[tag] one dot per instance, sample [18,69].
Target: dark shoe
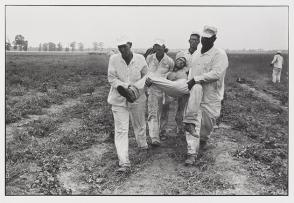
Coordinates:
[123,169]
[155,144]
[180,132]
[143,149]
[190,128]
[143,152]
[127,93]
[163,137]
[203,143]
[190,161]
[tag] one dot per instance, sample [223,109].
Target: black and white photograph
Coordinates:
[146,99]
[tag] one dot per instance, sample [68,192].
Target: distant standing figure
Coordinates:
[277,63]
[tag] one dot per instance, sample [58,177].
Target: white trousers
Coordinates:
[276,75]
[158,104]
[121,122]
[157,114]
[196,114]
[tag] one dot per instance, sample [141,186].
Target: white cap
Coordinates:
[159,41]
[122,40]
[195,33]
[279,52]
[209,31]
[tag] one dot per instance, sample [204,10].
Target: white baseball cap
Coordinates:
[279,52]
[159,41]
[124,39]
[209,31]
[195,33]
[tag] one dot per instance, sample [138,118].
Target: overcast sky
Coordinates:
[238,27]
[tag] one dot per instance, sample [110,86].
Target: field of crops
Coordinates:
[59,134]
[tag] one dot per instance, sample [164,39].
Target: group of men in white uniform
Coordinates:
[196,79]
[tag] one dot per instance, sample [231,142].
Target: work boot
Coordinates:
[143,153]
[143,150]
[155,144]
[163,135]
[190,161]
[190,128]
[123,169]
[180,131]
[127,93]
[203,143]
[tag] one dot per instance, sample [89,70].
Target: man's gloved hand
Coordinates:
[191,83]
[148,82]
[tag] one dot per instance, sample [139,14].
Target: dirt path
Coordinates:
[161,172]
[217,172]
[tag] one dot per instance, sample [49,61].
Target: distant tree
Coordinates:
[51,46]
[40,47]
[45,47]
[59,47]
[81,46]
[7,46]
[73,46]
[95,46]
[100,45]
[14,45]
[20,42]
[25,45]
[66,49]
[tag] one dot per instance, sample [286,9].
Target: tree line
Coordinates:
[20,44]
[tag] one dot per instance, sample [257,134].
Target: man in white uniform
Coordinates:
[124,69]
[182,101]
[277,63]
[159,64]
[206,84]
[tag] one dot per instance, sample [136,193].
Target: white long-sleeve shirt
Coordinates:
[278,61]
[209,68]
[121,74]
[159,69]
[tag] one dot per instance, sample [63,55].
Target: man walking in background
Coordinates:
[159,64]
[277,63]
[182,101]
[124,69]
[206,84]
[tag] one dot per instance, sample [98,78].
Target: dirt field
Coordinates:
[59,134]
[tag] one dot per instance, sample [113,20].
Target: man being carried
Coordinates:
[194,40]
